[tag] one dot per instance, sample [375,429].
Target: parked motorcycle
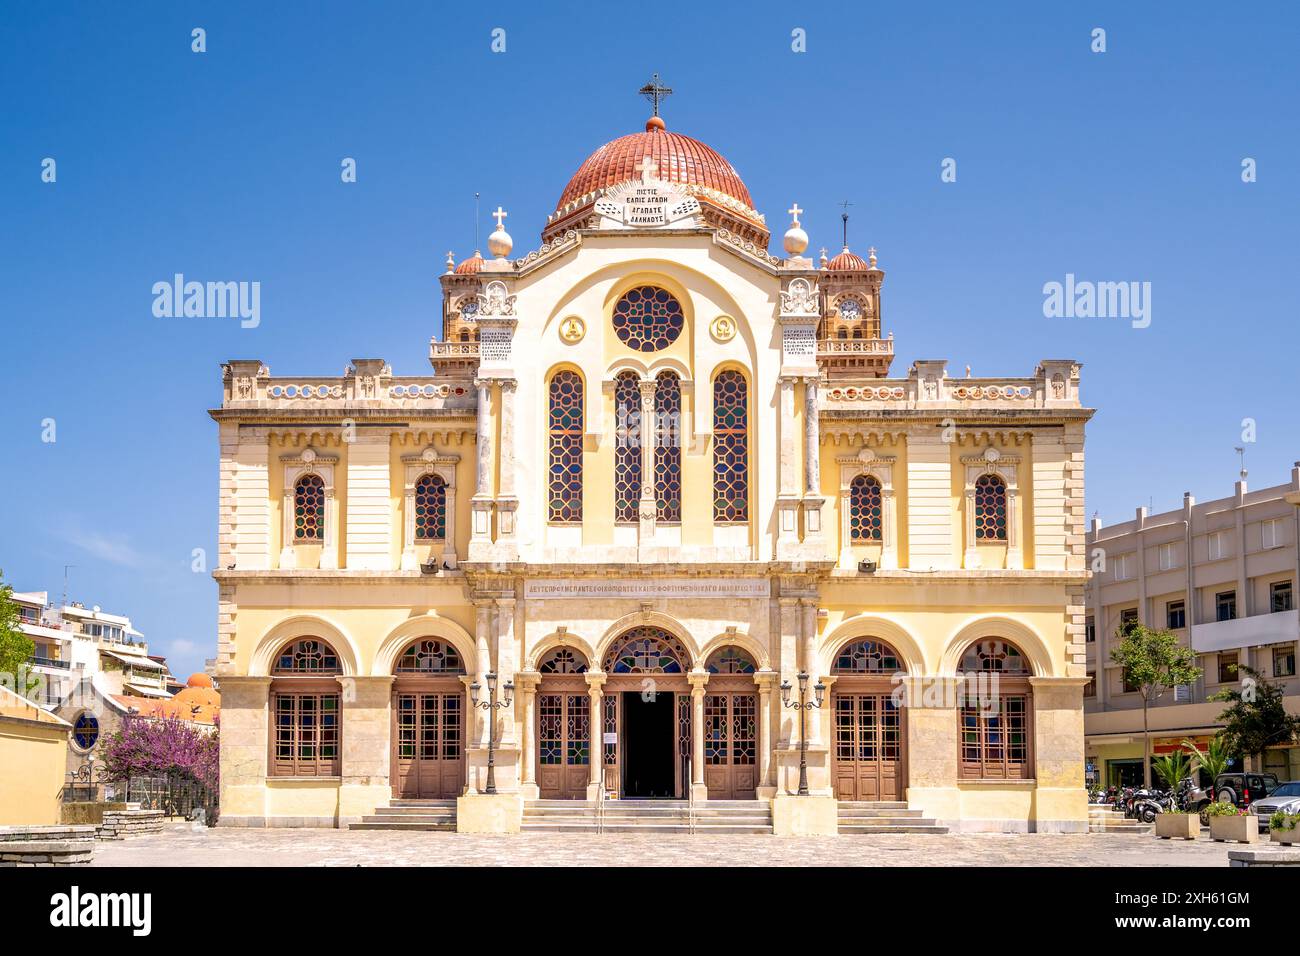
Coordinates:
[1193,798]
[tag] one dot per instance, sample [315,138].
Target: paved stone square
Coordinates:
[282,847]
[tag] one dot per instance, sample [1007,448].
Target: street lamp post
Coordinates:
[491,705]
[803,706]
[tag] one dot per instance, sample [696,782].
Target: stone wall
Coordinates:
[47,846]
[119,824]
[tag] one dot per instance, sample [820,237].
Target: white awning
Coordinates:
[146,691]
[135,660]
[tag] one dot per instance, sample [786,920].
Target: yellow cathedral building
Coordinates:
[658,532]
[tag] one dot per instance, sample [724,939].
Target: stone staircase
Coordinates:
[411,815]
[884,816]
[1106,820]
[648,816]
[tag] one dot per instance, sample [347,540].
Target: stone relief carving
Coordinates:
[800,298]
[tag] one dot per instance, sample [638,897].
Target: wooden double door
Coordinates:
[730,743]
[868,744]
[428,741]
[563,741]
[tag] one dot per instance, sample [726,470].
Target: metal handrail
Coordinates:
[600,804]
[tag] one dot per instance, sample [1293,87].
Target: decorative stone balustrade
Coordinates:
[248,384]
[1056,385]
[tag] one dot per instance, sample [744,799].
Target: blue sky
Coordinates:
[1118,166]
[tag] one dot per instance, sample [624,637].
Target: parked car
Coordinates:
[1243,788]
[1285,797]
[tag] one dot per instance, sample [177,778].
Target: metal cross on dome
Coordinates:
[654,92]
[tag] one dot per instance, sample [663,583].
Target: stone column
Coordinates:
[365,737]
[808,614]
[483,664]
[787,500]
[1015,554]
[595,683]
[812,439]
[698,683]
[481,506]
[526,686]
[648,509]
[505,669]
[507,501]
[765,681]
[245,747]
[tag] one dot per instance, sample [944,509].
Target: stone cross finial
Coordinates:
[499,215]
[794,211]
[649,168]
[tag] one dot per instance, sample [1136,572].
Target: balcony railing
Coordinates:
[38,661]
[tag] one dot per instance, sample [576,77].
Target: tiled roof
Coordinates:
[847,262]
[680,158]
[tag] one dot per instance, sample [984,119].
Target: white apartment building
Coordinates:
[74,642]
[1222,575]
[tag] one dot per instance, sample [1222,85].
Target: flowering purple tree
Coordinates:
[168,747]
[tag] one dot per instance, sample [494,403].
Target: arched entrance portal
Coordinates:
[731,726]
[869,752]
[563,726]
[428,721]
[646,716]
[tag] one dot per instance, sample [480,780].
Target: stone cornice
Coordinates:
[335,414]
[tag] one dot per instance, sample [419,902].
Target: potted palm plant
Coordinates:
[1172,768]
[1284,827]
[1214,760]
[1229,823]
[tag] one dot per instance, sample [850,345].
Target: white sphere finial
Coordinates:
[796,240]
[500,243]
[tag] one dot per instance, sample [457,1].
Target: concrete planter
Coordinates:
[1243,829]
[1178,826]
[1285,836]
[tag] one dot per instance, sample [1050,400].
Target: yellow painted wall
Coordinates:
[33,757]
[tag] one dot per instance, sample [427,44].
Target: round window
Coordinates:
[85,731]
[647,319]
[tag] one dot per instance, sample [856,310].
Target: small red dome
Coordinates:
[847,262]
[471,265]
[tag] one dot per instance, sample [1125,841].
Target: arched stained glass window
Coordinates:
[990,508]
[431,508]
[429,656]
[867,656]
[668,446]
[627,446]
[730,660]
[730,447]
[993,654]
[564,480]
[647,650]
[563,660]
[309,508]
[647,319]
[866,509]
[306,655]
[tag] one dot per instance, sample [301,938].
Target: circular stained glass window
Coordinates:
[85,732]
[647,319]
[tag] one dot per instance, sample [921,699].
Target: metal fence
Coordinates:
[176,795]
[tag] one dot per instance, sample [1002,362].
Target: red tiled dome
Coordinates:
[847,262]
[471,265]
[681,160]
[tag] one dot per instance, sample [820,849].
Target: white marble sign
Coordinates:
[648,202]
[547,589]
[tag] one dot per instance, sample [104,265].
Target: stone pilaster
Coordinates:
[1060,801]
[595,694]
[648,508]
[481,505]
[699,681]
[526,687]
[245,722]
[365,736]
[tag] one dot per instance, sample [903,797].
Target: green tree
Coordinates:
[1153,661]
[1173,767]
[15,646]
[1213,759]
[1256,718]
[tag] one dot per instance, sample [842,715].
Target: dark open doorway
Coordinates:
[648,746]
